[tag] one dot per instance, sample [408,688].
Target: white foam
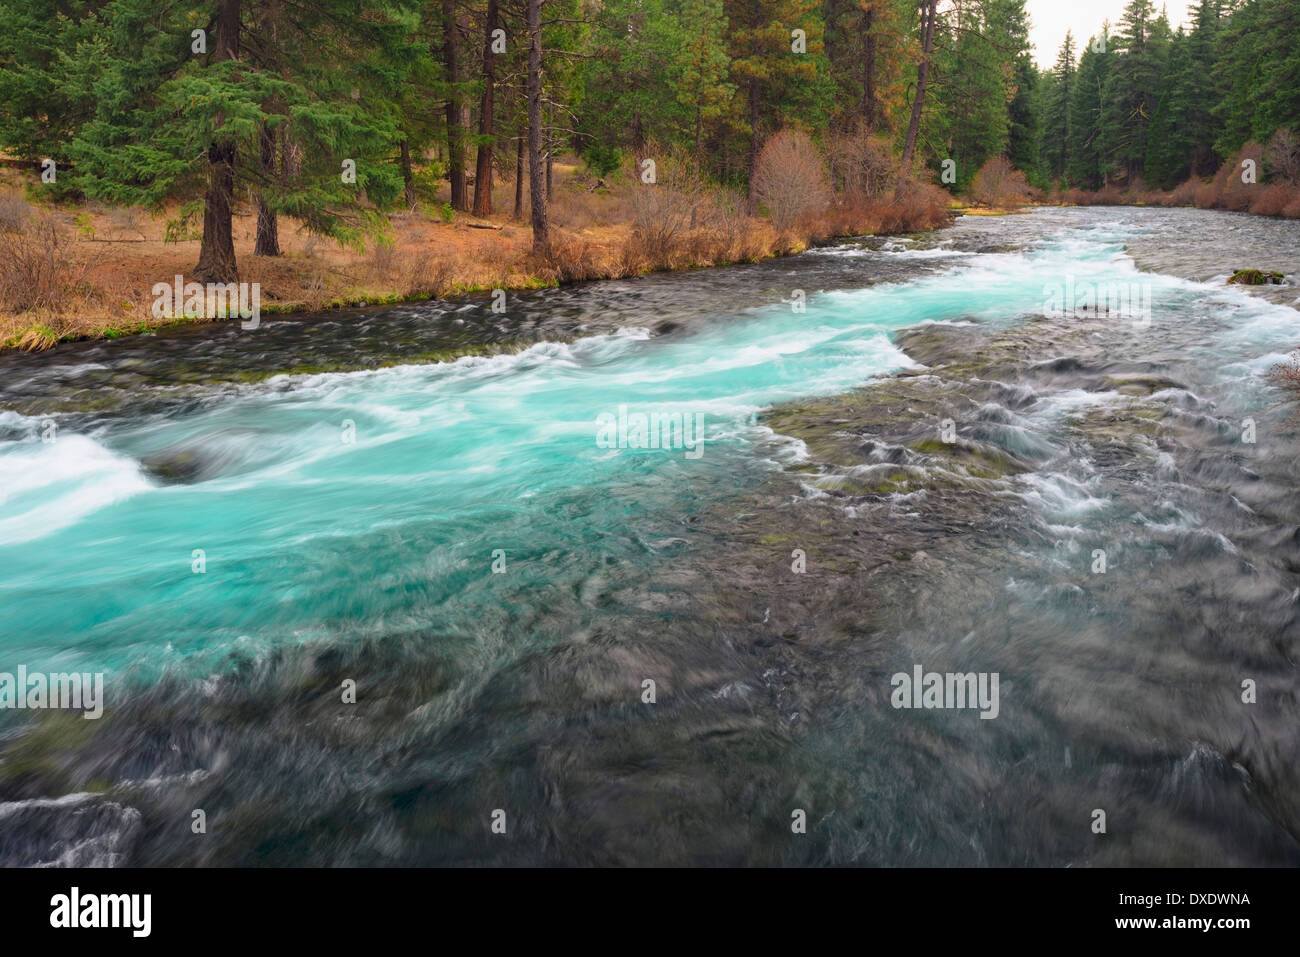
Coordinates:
[51,486]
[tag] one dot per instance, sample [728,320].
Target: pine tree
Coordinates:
[1141,46]
[1085,166]
[700,68]
[772,79]
[180,114]
[1058,93]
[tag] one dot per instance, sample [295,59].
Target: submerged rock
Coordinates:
[178,467]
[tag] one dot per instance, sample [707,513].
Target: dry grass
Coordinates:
[57,282]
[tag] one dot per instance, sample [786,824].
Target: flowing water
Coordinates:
[907,460]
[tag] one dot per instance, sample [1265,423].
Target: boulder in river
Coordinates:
[1255,277]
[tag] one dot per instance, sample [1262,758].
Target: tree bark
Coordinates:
[929,11]
[550,154]
[408,176]
[455,131]
[486,119]
[536,182]
[519,179]
[217,250]
[268,224]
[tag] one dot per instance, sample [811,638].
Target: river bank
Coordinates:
[85,272]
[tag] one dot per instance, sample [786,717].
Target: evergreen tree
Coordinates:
[1058,92]
[1087,145]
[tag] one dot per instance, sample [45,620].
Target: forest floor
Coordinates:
[88,270]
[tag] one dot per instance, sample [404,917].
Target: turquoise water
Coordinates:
[307,536]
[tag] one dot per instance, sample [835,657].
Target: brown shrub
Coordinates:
[1274,199]
[1185,194]
[862,163]
[571,259]
[725,232]
[14,210]
[425,275]
[1000,184]
[38,270]
[661,215]
[1229,192]
[916,206]
[913,207]
[382,264]
[1108,195]
[1287,377]
[790,179]
[576,208]
[1282,157]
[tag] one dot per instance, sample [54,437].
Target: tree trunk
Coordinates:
[408,177]
[455,131]
[217,251]
[929,11]
[483,167]
[550,157]
[519,179]
[268,225]
[638,144]
[536,185]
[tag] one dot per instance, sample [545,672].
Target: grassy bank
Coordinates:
[81,271]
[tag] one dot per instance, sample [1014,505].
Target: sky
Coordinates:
[1051,18]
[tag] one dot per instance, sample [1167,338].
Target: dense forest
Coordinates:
[332,113]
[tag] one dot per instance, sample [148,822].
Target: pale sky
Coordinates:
[1049,19]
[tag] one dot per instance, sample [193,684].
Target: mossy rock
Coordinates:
[986,462]
[1256,277]
[1139,384]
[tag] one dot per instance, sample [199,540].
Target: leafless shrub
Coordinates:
[125,220]
[37,268]
[660,217]
[1184,194]
[1274,199]
[1286,376]
[425,275]
[383,261]
[862,164]
[998,183]
[14,211]
[790,179]
[1282,157]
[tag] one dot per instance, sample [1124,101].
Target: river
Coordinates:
[622,655]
